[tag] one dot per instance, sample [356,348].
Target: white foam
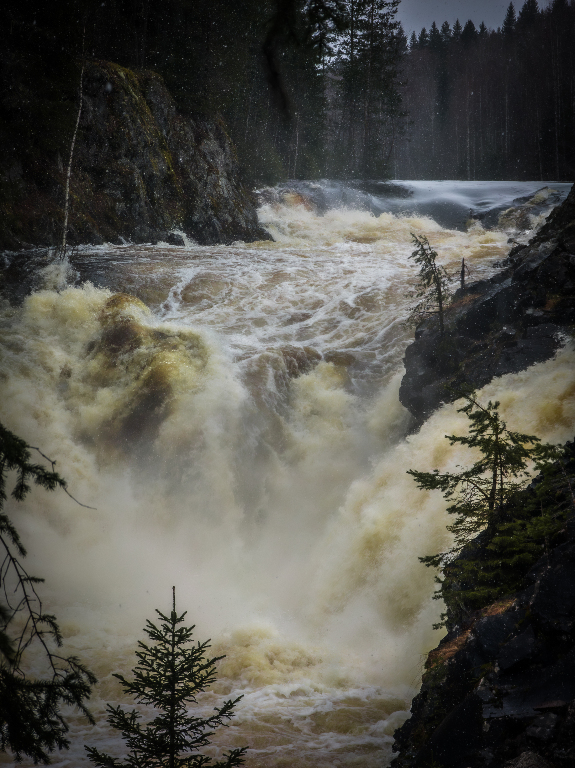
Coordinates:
[278,505]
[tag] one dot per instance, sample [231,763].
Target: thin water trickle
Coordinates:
[232,414]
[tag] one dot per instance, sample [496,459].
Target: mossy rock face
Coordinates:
[140,169]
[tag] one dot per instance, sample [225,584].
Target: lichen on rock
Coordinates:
[140,170]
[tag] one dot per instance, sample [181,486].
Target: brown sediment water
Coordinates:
[232,414]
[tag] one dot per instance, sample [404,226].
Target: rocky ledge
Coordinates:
[499,690]
[501,325]
[140,171]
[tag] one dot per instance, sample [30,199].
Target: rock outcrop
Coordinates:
[140,171]
[499,690]
[501,325]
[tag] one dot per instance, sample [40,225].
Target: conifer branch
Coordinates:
[35,725]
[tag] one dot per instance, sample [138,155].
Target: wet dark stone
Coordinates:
[517,663]
[174,239]
[492,631]
[553,605]
[140,170]
[528,760]
[457,738]
[542,727]
[502,325]
[521,648]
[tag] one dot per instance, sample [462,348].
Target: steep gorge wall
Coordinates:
[499,690]
[140,170]
[515,319]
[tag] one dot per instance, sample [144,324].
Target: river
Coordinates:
[232,414]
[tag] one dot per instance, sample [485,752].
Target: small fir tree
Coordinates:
[484,497]
[478,495]
[31,719]
[168,676]
[433,289]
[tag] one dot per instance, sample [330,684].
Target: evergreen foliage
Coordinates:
[433,288]
[509,21]
[310,88]
[494,564]
[507,111]
[435,39]
[423,39]
[31,721]
[478,495]
[515,521]
[168,676]
[528,13]
[366,109]
[469,33]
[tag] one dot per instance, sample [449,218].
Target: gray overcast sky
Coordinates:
[415,14]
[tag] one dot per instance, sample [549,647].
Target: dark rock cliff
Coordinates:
[501,325]
[499,690]
[140,170]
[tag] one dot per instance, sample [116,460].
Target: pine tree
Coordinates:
[528,14]
[435,40]
[368,62]
[423,39]
[433,289]
[31,720]
[493,565]
[469,33]
[479,494]
[168,676]
[509,21]
[457,30]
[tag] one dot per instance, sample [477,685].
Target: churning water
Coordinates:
[232,415]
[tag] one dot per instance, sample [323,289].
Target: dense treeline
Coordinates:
[311,88]
[262,65]
[492,104]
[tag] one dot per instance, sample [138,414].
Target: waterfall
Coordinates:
[231,412]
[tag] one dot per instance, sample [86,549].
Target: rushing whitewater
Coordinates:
[231,413]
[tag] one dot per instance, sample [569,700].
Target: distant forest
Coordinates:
[313,88]
[492,105]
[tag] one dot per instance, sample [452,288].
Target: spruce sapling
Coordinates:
[168,676]
[482,497]
[479,493]
[433,289]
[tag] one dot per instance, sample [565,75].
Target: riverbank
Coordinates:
[141,172]
[518,317]
[498,689]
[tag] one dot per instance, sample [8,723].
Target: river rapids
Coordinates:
[232,414]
